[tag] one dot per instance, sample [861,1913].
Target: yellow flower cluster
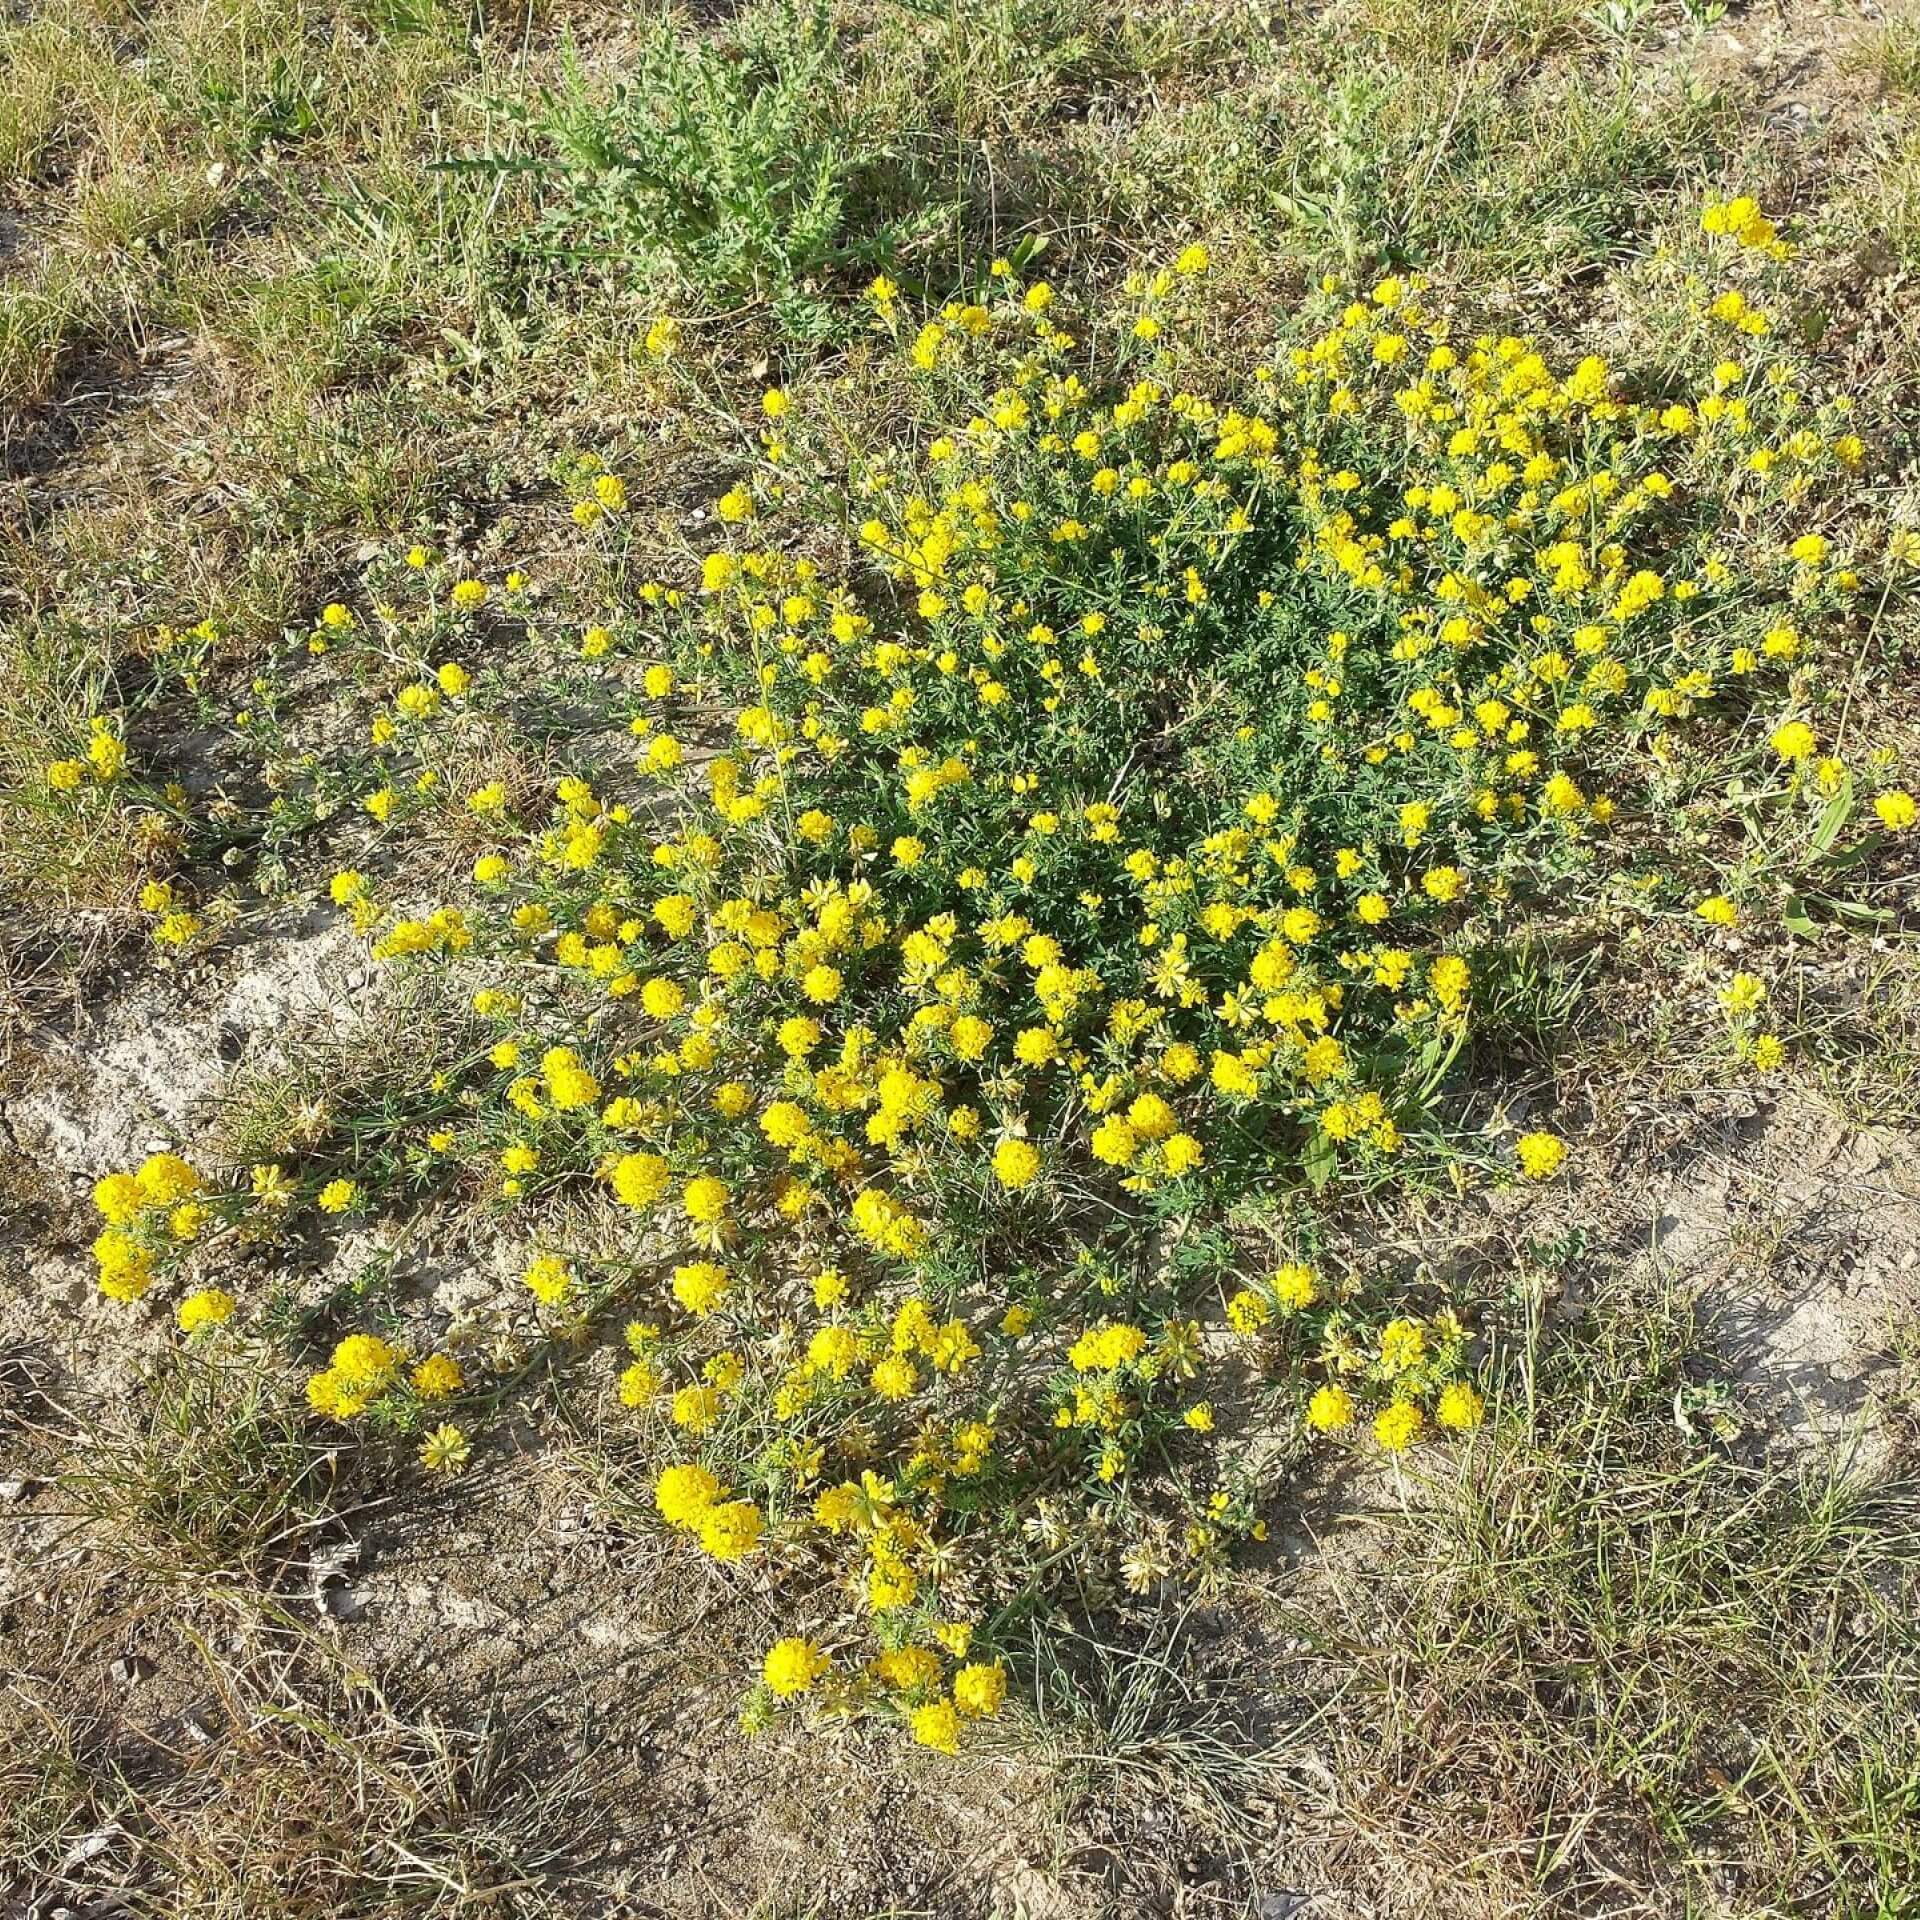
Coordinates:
[103,762]
[143,1211]
[1129,826]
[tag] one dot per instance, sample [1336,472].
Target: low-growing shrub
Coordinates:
[1059,862]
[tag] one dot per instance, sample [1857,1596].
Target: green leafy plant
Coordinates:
[715,164]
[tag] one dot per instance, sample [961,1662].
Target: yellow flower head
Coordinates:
[792,1666]
[1016,1164]
[207,1307]
[1398,1426]
[1541,1154]
[684,1494]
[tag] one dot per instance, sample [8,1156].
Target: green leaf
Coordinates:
[1859,911]
[1319,1162]
[1796,919]
[1833,817]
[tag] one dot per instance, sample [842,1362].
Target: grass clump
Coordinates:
[215,1479]
[304,1793]
[1656,1662]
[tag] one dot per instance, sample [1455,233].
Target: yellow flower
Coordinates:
[792,1666]
[697,1408]
[1183,1154]
[639,1383]
[119,1198]
[1398,1426]
[1541,1154]
[1295,1286]
[895,1377]
[445,1450]
[1016,1164]
[980,1689]
[1897,809]
[1115,1141]
[684,1494]
[833,1351]
[270,1185]
[699,1286]
[207,1307]
[106,753]
[366,1361]
[1402,1344]
[549,1279]
[1330,1410]
[1460,1408]
[1101,1349]
[438,1377]
[641,1180]
[1248,1312]
[937,1725]
[730,1531]
[907,1669]
[662,999]
[1793,740]
[126,1267]
[706,1199]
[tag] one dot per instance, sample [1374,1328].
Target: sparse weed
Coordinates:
[1118,1721]
[1655,1662]
[719,170]
[302,1794]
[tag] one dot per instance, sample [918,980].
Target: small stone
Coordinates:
[1282,1904]
[328,1573]
[130,1669]
[340,1602]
